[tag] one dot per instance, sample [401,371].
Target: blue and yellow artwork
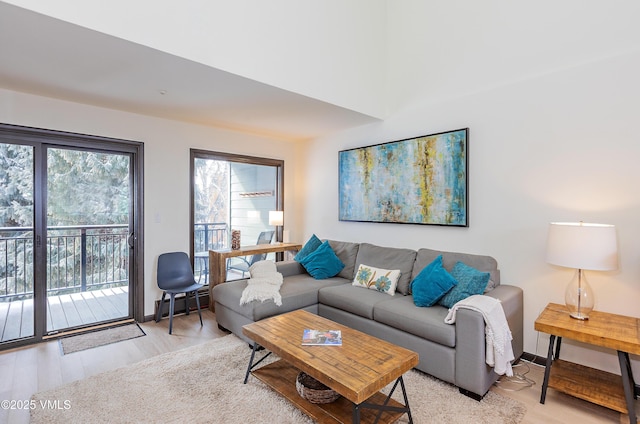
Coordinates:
[421,180]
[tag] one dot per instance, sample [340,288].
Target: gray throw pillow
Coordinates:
[389,258]
[347,252]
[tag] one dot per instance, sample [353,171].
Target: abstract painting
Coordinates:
[420,180]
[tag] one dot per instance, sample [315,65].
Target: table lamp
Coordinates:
[584,247]
[276,218]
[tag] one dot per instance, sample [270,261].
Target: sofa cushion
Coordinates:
[297,291]
[382,280]
[431,284]
[322,263]
[428,323]
[347,252]
[470,282]
[351,299]
[309,247]
[449,259]
[389,258]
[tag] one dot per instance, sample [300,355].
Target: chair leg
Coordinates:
[186,303]
[172,302]
[195,293]
[159,313]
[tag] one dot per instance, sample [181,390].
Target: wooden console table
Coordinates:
[218,260]
[612,331]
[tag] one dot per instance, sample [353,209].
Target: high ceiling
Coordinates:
[48,57]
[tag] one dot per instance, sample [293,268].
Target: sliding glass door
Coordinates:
[16,241]
[69,214]
[88,203]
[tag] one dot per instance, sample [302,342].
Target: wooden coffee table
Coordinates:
[357,370]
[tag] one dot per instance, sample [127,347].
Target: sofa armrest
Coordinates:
[287,268]
[472,373]
[512,303]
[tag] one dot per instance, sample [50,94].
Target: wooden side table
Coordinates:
[218,260]
[612,331]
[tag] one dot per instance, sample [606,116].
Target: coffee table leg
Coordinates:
[385,406]
[406,400]
[251,366]
[356,414]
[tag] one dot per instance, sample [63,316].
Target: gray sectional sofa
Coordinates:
[453,353]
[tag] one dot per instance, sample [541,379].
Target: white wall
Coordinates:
[328,50]
[166,162]
[563,146]
[439,49]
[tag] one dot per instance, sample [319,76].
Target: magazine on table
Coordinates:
[312,337]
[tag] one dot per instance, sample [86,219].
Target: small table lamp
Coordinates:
[276,218]
[582,246]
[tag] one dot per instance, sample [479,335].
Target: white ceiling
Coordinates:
[48,57]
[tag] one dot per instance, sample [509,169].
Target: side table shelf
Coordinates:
[589,384]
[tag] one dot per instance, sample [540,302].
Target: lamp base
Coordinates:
[579,315]
[579,297]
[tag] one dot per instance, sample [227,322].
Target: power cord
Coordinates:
[518,381]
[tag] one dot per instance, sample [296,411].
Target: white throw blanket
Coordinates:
[264,283]
[497,333]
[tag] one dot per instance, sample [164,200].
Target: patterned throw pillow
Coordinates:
[382,280]
[470,281]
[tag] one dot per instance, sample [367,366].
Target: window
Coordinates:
[231,192]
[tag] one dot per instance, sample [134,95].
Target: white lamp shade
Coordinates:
[582,246]
[276,218]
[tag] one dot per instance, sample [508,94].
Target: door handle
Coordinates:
[131,240]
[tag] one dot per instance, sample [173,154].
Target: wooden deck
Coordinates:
[70,310]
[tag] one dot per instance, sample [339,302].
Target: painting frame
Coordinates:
[420,180]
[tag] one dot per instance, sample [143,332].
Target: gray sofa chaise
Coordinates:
[453,353]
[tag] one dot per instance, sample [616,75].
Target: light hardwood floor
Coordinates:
[27,370]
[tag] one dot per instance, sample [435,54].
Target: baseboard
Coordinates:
[180,307]
[534,359]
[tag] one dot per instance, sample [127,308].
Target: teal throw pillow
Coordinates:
[322,263]
[470,282]
[310,246]
[431,284]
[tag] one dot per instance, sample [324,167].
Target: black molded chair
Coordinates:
[243,264]
[175,276]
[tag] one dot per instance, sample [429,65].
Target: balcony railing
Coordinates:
[210,236]
[81,258]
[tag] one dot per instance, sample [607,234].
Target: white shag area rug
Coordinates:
[203,384]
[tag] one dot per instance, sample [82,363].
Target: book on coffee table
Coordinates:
[312,337]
